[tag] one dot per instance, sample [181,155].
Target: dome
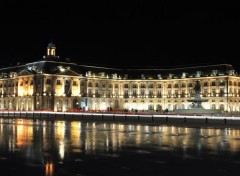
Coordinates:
[51,45]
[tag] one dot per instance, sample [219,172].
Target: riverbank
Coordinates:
[196,119]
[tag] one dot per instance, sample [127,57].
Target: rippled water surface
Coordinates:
[54,148]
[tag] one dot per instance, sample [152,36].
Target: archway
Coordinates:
[22,105]
[103,105]
[29,104]
[75,104]
[159,107]
[59,105]
[9,104]
[13,102]
[116,104]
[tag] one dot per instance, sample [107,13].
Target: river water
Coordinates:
[59,148]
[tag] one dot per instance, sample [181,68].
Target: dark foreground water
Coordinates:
[57,148]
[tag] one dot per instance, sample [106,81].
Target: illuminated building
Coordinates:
[52,84]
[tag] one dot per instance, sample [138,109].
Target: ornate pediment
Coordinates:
[66,71]
[24,73]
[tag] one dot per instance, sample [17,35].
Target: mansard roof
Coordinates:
[74,69]
[54,67]
[177,72]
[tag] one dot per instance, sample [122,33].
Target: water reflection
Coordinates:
[49,168]
[49,144]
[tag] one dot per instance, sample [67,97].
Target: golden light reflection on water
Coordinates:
[91,137]
[49,168]
[60,137]
[24,133]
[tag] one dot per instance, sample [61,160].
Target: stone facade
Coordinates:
[55,85]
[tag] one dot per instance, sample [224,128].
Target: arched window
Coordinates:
[75,104]
[135,86]
[89,84]
[222,107]
[213,83]
[150,86]
[143,86]
[222,83]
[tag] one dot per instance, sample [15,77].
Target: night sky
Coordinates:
[122,33]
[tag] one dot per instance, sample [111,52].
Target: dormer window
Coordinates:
[184,74]
[198,73]
[89,73]
[114,76]
[4,75]
[143,76]
[231,72]
[102,74]
[13,74]
[170,75]
[61,68]
[214,72]
[159,76]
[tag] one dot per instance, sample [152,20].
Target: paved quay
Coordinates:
[167,118]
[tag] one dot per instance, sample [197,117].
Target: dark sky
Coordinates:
[125,33]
